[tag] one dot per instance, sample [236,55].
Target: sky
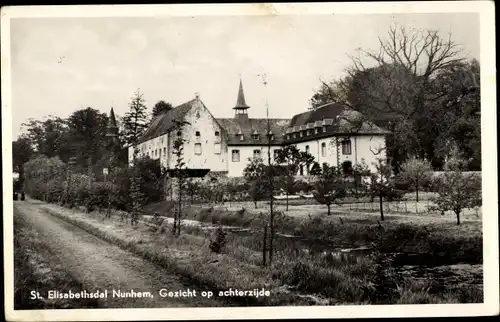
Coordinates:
[59,65]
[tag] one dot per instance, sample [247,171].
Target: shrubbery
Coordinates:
[50,180]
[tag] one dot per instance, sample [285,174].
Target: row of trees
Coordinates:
[420,86]
[83,137]
[456,191]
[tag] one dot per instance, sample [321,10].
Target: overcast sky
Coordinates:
[62,64]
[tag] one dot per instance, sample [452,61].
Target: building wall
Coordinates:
[360,150]
[366,144]
[156,148]
[235,169]
[203,122]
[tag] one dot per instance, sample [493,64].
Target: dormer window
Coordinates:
[324,128]
[316,131]
[301,133]
[255,135]
[308,132]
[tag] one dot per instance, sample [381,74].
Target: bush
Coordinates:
[219,242]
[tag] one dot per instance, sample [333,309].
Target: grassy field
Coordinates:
[300,274]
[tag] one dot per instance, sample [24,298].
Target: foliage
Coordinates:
[293,159]
[456,191]
[417,172]
[22,151]
[219,242]
[418,86]
[135,120]
[330,186]
[255,174]
[381,184]
[161,107]
[48,137]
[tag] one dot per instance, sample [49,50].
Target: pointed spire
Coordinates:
[112,128]
[240,102]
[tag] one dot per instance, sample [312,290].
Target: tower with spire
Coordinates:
[241,107]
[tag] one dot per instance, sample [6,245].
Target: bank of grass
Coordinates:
[326,279]
[36,269]
[443,241]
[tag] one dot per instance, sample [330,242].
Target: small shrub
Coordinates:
[220,241]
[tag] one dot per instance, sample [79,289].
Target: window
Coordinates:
[235,155]
[307,148]
[217,133]
[346,147]
[197,148]
[323,149]
[301,134]
[164,151]
[256,136]
[324,128]
[316,131]
[217,149]
[156,153]
[179,133]
[197,134]
[256,154]
[242,137]
[308,132]
[295,135]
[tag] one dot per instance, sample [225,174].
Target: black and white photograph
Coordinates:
[295,160]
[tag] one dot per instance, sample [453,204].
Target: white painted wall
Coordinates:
[156,148]
[235,169]
[202,121]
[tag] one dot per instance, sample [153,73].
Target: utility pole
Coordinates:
[270,175]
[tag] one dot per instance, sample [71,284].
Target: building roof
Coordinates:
[331,119]
[163,123]
[235,127]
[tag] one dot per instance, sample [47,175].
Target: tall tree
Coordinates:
[87,136]
[135,120]
[161,107]
[22,151]
[402,87]
[48,136]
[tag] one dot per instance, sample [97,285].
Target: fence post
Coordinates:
[264,245]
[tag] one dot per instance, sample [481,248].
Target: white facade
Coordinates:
[206,146]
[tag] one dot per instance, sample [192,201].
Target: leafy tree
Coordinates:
[417,172]
[161,107]
[136,195]
[22,151]
[418,86]
[192,188]
[293,159]
[255,174]
[87,136]
[48,137]
[457,191]
[330,186]
[135,120]
[381,184]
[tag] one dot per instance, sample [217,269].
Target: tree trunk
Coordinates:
[264,245]
[381,207]
[255,203]
[328,206]
[416,188]
[458,217]
[287,201]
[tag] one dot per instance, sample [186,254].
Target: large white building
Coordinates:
[332,133]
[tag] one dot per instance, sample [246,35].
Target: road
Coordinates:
[99,265]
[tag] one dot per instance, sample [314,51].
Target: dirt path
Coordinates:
[101,266]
